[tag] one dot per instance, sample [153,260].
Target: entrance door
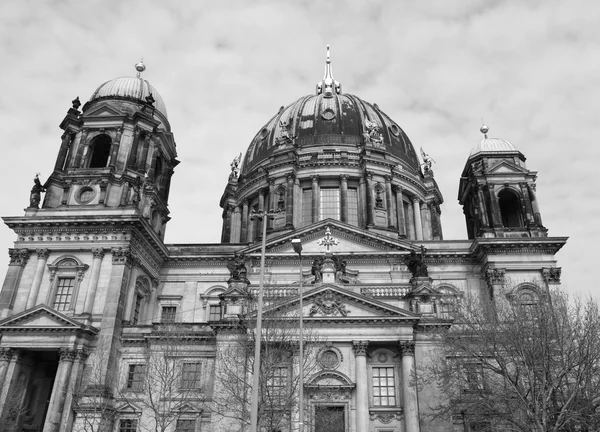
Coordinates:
[330,419]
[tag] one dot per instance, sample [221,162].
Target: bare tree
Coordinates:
[279,370]
[529,362]
[168,382]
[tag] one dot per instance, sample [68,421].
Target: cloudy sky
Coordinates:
[530,70]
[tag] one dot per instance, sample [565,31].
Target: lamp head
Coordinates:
[297,245]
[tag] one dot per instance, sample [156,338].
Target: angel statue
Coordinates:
[36,192]
[427,161]
[372,134]
[235,167]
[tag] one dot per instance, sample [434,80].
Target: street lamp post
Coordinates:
[263,216]
[297,244]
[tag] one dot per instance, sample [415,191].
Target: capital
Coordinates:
[271,181]
[344,178]
[42,254]
[290,176]
[315,179]
[18,256]
[121,256]
[495,276]
[360,347]
[6,354]
[407,348]
[551,274]
[388,179]
[416,200]
[67,354]
[397,188]
[98,253]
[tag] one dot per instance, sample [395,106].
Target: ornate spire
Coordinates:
[328,86]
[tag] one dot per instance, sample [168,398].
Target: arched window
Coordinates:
[510,209]
[100,151]
[158,168]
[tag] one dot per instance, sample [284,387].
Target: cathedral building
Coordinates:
[93,292]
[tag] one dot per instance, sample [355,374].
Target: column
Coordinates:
[400,212]
[391,216]
[67,417]
[131,291]
[272,203]
[81,149]
[152,168]
[12,359]
[65,144]
[426,221]
[315,199]
[418,223]
[226,231]
[90,296]
[18,260]
[496,215]
[289,204]
[484,220]
[528,214]
[141,163]
[495,279]
[362,203]
[370,200]
[114,148]
[537,216]
[409,387]
[244,231]
[362,385]
[42,258]
[109,341]
[59,390]
[6,355]
[131,158]
[235,225]
[344,198]
[436,223]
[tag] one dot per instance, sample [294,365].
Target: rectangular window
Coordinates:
[277,385]
[136,309]
[190,376]
[353,207]
[384,388]
[473,377]
[330,204]
[64,293]
[135,376]
[306,207]
[168,315]
[127,425]
[214,312]
[185,426]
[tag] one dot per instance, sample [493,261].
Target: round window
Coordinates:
[328,114]
[85,195]
[395,130]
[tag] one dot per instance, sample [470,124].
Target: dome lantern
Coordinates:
[328,85]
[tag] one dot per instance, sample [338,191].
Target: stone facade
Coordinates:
[92,292]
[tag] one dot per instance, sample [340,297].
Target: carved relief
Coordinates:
[18,256]
[328,304]
[551,274]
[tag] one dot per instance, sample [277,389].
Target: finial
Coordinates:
[76,103]
[140,67]
[328,86]
[484,130]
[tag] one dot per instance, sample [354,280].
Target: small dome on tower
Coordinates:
[493,145]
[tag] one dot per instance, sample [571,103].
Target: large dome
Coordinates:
[331,121]
[135,88]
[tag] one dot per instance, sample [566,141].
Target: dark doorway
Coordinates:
[510,209]
[100,151]
[330,419]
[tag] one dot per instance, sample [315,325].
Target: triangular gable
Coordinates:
[506,167]
[128,408]
[331,301]
[42,317]
[350,238]
[103,110]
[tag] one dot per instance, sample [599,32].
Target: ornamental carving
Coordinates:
[285,134]
[328,304]
[121,256]
[551,274]
[495,276]
[372,134]
[68,354]
[42,254]
[407,348]
[98,253]
[329,358]
[385,418]
[329,395]
[360,347]
[6,354]
[18,256]
[237,268]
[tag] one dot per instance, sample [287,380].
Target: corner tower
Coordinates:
[497,192]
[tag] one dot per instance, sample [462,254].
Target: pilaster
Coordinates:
[18,260]
[409,387]
[362,383]
[42,258]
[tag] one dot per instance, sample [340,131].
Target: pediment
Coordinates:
[350,239]
[128,407]
[334,302]
[103,110]
[505,167]
[42,317]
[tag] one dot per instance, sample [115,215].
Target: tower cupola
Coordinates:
[497,192]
